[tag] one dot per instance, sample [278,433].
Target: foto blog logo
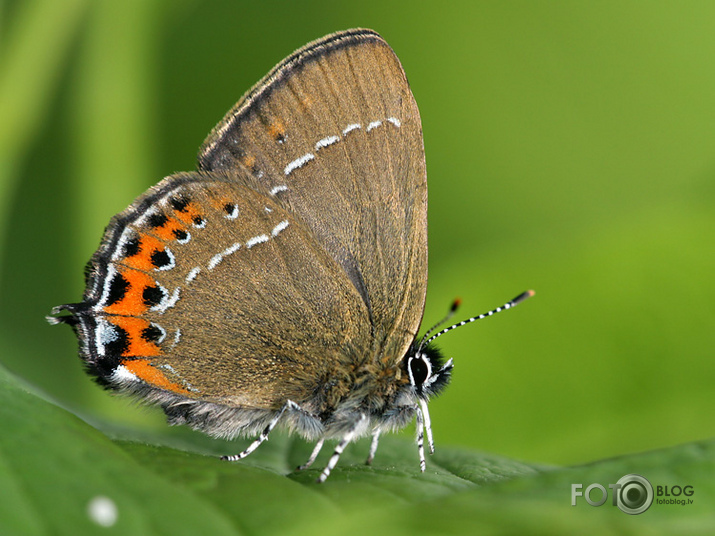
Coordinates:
[632,494]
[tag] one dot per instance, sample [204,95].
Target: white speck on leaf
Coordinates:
[103,511]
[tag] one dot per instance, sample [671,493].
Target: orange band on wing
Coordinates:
[138,344]
[166,231]
[142,259]
[189,213]
[133,301]
[144,370]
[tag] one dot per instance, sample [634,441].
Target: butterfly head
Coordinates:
[427,370]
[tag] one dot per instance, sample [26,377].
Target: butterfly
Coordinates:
[284,281]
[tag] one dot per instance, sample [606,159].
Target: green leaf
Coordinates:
[52,464]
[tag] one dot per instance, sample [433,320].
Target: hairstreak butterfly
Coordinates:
[284,281]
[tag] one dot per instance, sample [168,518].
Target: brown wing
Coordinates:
[334,134]
[211,290]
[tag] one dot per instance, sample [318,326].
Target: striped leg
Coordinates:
[373,447]
[313,456]
[420,425]
[428,425]
[347,438]
[289,405]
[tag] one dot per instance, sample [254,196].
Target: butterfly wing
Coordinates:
[292,264]
[212,291]
[334,135]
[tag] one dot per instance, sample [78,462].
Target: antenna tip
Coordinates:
[523,296]
[455,304]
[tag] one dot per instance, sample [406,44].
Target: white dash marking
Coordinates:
[374,124]
[257,240]
[268,210]
[395,121]
[350,128]
[215,260]
[326,141]
[168,302]
[177,337]
[232,249]
[276,189]
[162,330]
[192,274]
[298,162]
[174,298]
[278,228]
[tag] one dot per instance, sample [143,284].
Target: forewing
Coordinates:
[334,135]
[219,294]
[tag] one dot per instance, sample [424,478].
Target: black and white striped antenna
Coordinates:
[426,339]
[453,309]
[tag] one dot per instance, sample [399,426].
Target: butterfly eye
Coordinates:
[420,369]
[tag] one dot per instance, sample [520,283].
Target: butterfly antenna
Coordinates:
[453,309]
[508,305]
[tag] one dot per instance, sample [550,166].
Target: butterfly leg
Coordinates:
[373,447]
[420,425]
[428,425]
[313,456]
[289,405]
[347,438]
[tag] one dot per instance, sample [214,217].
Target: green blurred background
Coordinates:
[570,149]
